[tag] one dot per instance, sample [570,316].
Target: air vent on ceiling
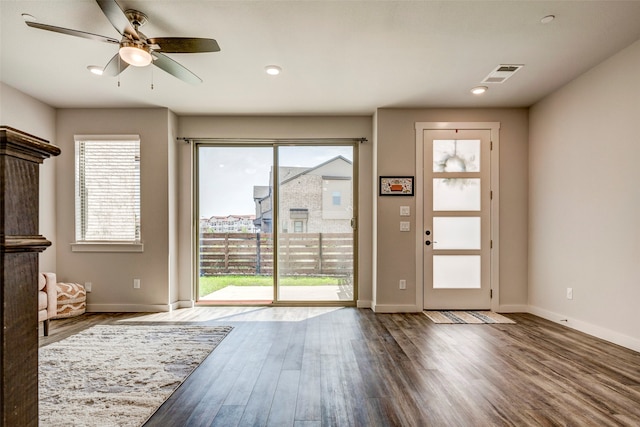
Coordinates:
[501,73]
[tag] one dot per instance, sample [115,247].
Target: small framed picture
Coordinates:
[396,186]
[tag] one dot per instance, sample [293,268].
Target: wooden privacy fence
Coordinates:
[299,254]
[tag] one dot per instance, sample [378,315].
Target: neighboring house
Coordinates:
[264,213]
[228,224]
[318,199]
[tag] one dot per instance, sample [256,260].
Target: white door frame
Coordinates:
[494,128]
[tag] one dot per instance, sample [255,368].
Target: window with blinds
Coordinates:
[108,189]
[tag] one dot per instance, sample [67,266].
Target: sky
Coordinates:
[227,175]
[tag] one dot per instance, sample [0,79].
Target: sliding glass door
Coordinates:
[315,212]
[290,242]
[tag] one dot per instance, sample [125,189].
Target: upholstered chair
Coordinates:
[47,299]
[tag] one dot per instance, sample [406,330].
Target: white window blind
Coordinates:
[108,189]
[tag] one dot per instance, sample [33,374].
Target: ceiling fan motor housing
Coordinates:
[137,18]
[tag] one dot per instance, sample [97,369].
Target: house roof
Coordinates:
[306,171]
[286,173]
[261,191]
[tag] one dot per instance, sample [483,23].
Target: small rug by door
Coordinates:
[444,316]
[118,375]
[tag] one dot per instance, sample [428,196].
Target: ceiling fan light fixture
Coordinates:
[479,90]
[135,55]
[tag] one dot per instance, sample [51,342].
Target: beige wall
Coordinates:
[27,114]
[112,274]
[173,167]
[396,251]
[294,127]
[584,229]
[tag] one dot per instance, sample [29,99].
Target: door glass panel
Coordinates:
[235,233]
[456,155]
[456,232]
[315,208]
[456,194]
[456,271]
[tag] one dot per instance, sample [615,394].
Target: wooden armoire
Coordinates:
[20,244]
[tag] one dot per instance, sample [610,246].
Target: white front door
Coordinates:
[457,219]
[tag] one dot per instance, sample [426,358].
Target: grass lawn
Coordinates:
[209,284]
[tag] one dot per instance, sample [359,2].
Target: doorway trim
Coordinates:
[494,128]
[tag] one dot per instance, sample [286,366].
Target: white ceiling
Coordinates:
[338,57]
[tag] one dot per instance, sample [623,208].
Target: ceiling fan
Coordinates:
[135,48]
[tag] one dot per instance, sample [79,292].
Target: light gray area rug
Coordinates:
[118,375]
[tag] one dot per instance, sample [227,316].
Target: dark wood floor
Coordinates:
[352,367]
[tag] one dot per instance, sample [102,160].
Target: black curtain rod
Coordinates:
[274,140]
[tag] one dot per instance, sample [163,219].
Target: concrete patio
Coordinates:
[287,293]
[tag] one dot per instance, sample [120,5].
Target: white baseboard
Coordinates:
[128,308]
[363,303]
[183,304]
[395,308]
[513,308]
[588,328]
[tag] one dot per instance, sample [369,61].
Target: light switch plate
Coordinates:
[405,211]
[405,226]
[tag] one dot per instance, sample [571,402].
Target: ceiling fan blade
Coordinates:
[172,67]
[115,66]
[71,32]
[184,45]
[118,19]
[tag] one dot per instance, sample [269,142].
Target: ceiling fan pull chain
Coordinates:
[119,69]
[151,78]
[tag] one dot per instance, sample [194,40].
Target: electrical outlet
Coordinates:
[136,283]
[405,211]
[569,293]
[87,286]
[405,226]
[403,284]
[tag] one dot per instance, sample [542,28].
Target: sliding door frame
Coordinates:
[275,144]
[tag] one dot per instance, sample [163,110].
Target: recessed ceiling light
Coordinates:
[547,19]
[29,18]
[479,90]
[273,70]
[96,70]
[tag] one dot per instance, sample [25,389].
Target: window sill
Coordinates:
[106,247]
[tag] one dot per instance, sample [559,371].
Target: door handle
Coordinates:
[428,242]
